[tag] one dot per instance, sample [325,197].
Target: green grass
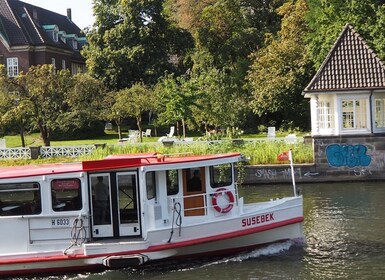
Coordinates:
[33,139]
[259,152]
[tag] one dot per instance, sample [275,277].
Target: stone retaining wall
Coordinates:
[336,159]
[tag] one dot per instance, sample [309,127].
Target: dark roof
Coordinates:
[22,24]
[350,65]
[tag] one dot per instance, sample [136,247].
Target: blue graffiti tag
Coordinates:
[347,155]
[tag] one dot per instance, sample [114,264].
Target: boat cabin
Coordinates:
[118,197]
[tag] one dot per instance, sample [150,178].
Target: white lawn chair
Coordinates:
[172,130]
[147,133]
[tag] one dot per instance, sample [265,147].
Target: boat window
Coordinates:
[150,185]
[66,195]
[20,199]
[194,180]
[172,182]
[221,175]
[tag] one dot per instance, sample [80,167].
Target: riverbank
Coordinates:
[306,173]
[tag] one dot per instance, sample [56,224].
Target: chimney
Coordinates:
[69,14]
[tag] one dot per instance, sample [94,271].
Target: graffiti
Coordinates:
[266,173]
[273,174]
[362,172]
[347,155]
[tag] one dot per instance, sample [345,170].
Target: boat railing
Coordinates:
[202,203]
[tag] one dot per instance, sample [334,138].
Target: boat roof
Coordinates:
[108,163]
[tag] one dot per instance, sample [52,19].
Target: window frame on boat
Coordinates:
[26,199]
[150,185]
[65,203]
[216,175]
[172,183]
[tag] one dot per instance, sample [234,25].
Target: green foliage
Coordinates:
[282,69]
[131,42]
[327,19]
[175,100]
[140,99]
[43,91]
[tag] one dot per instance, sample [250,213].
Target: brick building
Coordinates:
[31,35]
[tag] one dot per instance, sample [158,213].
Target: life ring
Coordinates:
[222,191]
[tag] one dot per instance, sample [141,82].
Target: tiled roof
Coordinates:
[350,65]
[22,24]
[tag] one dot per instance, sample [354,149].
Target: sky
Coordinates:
[81,9]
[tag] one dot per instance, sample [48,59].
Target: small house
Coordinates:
[347,99]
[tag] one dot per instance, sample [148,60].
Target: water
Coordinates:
[345,239]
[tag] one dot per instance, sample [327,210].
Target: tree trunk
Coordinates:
[118,124]
[184,129]
[44,134]
[22,138]
[139,124]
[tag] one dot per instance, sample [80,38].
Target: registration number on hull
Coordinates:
[60,222]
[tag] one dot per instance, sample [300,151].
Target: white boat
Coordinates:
[127,210]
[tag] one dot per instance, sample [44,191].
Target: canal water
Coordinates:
[345,239]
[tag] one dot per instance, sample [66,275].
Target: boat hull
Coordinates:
[234,243]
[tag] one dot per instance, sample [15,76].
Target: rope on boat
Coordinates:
[178,221]
[78,233]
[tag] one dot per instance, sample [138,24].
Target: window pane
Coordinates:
[20,199]
[379,113]
[12,66]
[66,195]
[354,114]
[325,115]
[150,185]
[172,182]
[194,180]
[221,175]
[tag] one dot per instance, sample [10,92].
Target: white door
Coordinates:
[101,205]
[128,208]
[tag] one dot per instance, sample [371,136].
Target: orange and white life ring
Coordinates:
[231,199]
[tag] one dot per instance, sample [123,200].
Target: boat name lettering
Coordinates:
[259,219]
[60,222]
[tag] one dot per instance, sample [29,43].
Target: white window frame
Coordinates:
[325,113]
[357,111]
[12,66]
[55,34]
[63,64]
[378,109]
[53,62]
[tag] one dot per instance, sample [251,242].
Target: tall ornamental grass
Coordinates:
[259,152]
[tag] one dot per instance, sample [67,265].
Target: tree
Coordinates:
[14,112]
[138,99]
[85,103]
[282,69]
[175,101]
[132,41]
[38,97]
[114,109]
[219,102]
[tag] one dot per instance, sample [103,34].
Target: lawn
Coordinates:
[33,140]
